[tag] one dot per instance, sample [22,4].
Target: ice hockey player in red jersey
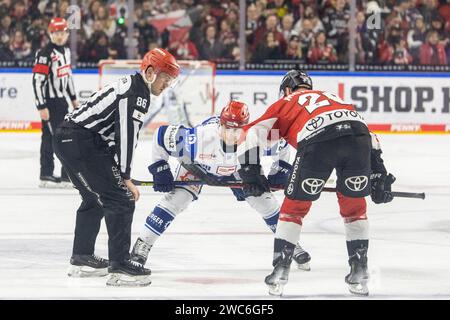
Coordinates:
[328,134]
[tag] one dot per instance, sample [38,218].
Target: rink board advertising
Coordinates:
[394,103]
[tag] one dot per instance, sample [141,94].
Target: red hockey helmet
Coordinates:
[235,115]
[162,61]
[57,24]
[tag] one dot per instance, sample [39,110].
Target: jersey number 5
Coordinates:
[310,103]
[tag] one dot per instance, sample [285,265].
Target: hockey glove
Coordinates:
[279,173]
[162,176]
[380,180]
[381,187]
[254,183]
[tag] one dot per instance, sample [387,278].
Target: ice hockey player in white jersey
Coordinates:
[212,148]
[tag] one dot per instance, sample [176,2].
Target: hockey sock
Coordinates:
[156,223]
[289,231]
[354,245]
[357,235]
[272,221]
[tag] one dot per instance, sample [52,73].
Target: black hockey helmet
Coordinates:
[295,79]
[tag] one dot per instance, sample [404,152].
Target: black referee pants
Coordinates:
[57,109]
[93,171]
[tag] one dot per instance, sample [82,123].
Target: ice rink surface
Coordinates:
[220,248]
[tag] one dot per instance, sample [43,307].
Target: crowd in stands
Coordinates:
[387,31]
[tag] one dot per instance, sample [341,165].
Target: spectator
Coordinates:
[211,49]
[117,42]
[5,23]
[183,48]
[335,20]
[269,49]
[360,41]
[437,24]
[322,52]
[287,27]
[428,9]
[412,13]
[232,18]
[416,38]
[311,15]
[278,7]
[253,22]
[37,34]
[98,47]
[271,25]
[62,10]
[5,7]
[294,50]
[227,37]
[400,12]
[109,25]
[147,32]
[19,16]
[401,54]
[432,52]
[20,48]
[306,36]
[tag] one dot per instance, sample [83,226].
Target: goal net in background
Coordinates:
[188,103]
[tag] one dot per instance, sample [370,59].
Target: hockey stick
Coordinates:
[238,184]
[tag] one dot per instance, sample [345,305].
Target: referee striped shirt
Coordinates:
[52,75]
[116,113]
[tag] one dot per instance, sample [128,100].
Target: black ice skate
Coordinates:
[49,182]
[301,258]
[87,265]
[358,277]
[280,274]
[140,251]
[128,274]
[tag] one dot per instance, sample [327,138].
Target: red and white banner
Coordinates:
[388,104]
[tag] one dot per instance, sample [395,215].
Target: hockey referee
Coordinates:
[96,143]
[52,81]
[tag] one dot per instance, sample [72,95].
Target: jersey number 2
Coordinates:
[309,100]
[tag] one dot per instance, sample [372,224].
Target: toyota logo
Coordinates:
[314,124]
[356,183]
[312,186]
[290,188]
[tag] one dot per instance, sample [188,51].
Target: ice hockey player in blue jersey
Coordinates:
[212,146]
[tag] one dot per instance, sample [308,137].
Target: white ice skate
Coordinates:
[301,258]
[140,251]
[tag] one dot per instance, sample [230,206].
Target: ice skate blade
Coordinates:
[122,280]
[303,266]
[276,289]
[65,185]
[359,289]
[86,272]
[49,185]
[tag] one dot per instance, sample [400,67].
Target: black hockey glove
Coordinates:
[381,187]
[380,180]
[162,176]
[254,183]
[279,173]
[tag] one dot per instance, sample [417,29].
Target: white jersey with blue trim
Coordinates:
[202,145]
